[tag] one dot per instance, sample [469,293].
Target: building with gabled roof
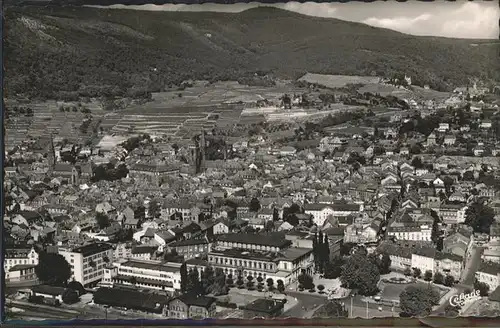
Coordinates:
[189,306]
[489,273]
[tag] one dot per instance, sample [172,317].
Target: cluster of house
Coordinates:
[205,209]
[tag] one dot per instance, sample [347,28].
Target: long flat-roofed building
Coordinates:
[273,242]
[143,273]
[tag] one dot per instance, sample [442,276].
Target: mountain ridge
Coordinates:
[107,47]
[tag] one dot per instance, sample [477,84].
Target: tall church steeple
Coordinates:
[51,153]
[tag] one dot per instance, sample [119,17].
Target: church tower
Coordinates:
[202,149]
[51,156]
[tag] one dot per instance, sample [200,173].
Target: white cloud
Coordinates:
[310,8]
[472,20]
[469,20]
[403,24]
[450,19]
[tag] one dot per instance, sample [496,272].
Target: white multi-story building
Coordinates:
[17,256]
[452,214]
[320,212]
[428,259]
[489,273]
[422,261]
[87,262]
[410,231]
[256,255]
[400,256]
[286,265]
[146,274]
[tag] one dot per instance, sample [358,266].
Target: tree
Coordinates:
[250,281]
[270,283]
[281,286]
[451,311]
[407,272]
[124,235]
[428,275]
[449,281]
[438,278]
[324,249]
[154,209]
[229,280]
[102,220]
[218,284]
[361,274]
[193,283]
[382,261]
[417,273]
[254,205]
[276,216]
[76,286]
[468,176]
[240,281]
[321,288]
[269,226]
[385,265]
[416,301]
[436,231]
[448,183]
[333,268]
[482,287]
[53,269]
[184,277]
[305,280]
[259,282]
[480,217]
[70,296]
[206,279]
[316,252]
[140,213]
[331,309]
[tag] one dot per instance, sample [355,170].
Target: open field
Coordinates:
[203,95]
[413,92]
[338,81]
[384,90]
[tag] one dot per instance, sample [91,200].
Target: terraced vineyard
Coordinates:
[179,122]
[49,119]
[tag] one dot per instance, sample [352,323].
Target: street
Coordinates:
[308,303]
[471,266]
[467,280]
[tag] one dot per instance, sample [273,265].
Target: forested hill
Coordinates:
[89,51]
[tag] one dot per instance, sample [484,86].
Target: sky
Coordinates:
[460,19]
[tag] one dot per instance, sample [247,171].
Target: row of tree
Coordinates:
[210,281]
[321,251]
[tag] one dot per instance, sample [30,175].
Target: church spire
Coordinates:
[51,153]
